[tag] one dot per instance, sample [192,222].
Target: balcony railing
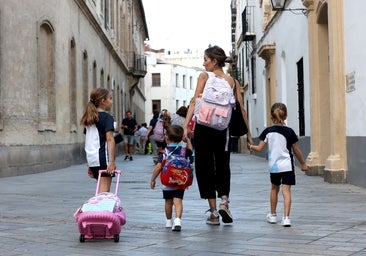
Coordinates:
[137,64]
[247,17]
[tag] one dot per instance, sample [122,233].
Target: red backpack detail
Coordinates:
[177,171]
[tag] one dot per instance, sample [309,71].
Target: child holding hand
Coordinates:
[282,144]
[172,196]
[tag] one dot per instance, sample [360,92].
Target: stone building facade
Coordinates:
[52,54]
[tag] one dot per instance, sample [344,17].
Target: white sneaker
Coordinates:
[271,218]
[213,218]
[177,225]
[286,222]
[168,223]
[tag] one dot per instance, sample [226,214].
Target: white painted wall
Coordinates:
[355,55]
[171,93]
[290,48]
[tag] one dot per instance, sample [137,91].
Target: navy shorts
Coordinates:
[170,194]
[95,171]
[286,178]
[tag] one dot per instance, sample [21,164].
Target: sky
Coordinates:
[189,24]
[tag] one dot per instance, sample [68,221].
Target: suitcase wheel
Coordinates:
[116,238]
[82,238]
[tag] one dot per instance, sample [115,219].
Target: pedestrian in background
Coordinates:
[129,126]
[142,137]
[282,144]
[150,131]
[99,137]
[179,116]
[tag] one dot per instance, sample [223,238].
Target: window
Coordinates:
[95,74]
[101,78]
[72,86]
[85,79]
[177,80]
[156,80]
[47,94]
[300,92]
[254,87]
[191,83]
[184,81]
[156,105]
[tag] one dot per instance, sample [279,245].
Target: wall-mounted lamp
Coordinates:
[280,5]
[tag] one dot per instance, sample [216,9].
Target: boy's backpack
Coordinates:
[214,108]
[159,129]
[177,172]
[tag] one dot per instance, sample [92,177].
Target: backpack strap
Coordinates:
[169,153]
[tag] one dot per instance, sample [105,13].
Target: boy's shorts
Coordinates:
[176,193]
[286,178]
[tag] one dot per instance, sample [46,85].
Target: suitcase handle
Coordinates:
[118,172]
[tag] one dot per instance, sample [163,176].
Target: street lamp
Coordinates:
[279,5]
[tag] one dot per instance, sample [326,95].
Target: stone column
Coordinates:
[336,165]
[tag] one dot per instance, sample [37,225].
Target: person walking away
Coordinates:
[150,132]
[179,116]
[129,126]
[212,157]
[173,197]
[282,144]
[99,138]
[160,128]
[142,137]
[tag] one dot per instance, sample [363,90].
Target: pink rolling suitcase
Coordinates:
[102,216]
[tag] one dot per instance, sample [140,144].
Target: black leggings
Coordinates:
[212,162]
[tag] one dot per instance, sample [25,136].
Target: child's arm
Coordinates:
[299,157]
[155,174]
[189,144]
[257,148]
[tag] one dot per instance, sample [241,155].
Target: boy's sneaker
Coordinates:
[271,218]
[131,158]
[168,223]
[213,218]
[225,213]
[126,157]
[177,225]
[286,222]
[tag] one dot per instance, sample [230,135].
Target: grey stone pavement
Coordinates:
[36,215]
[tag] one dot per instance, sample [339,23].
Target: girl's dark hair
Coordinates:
[155,114]
[218,54]
[90,115]
[279,113]
[174,133]
[182,111]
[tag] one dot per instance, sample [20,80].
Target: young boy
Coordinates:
[173,197]
[281,141]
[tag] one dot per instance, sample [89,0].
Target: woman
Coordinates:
[212,159]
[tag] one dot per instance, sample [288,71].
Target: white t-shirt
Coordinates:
[280,140]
